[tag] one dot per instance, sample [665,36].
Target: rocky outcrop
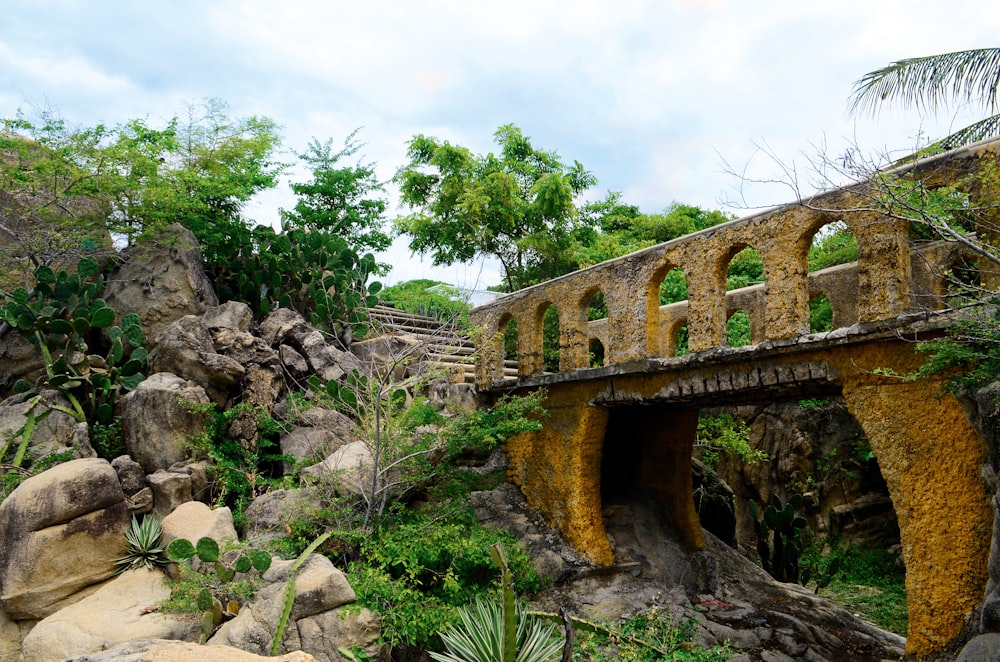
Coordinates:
[726,597]
[61,531]
[318,433]
[320,589]
[820,452]
[161,281]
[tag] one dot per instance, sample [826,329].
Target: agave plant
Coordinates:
[479,637]
[144,548]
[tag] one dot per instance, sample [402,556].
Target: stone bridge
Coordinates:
[632,419]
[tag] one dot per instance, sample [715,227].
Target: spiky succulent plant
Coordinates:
[143,546]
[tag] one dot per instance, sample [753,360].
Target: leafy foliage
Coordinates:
[417,571]
[931,82]
[343,201]
[870,582]
[240,473]
[429,297]
[645,637]
[70,190]
[723,434]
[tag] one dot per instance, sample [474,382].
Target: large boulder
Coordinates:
[185,348]
[161,281]
[269,514]
[159,650]
[194,520]
[61,532]
[156,425]
[123,609]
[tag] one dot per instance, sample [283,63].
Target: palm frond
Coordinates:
[984,128]
[931,82]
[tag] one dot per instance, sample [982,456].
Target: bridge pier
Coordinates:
[559,471]
[931,459]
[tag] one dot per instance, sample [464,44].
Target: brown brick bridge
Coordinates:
[637,413]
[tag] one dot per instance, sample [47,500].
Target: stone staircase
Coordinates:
[445,346]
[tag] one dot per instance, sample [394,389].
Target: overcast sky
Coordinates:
[652,97]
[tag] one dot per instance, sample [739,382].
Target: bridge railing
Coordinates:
[888,279]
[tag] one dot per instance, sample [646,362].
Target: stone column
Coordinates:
[559,471]
[931,459]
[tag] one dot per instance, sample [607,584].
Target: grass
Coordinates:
[870,583]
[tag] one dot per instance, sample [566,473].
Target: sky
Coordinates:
[661,101]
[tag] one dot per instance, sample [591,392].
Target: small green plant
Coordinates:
[239,472]
[289,601]
[480,636]
[779,537]
[814,403]
[723,434]
[214,597]
[143,547]
[645,637]
[491,632]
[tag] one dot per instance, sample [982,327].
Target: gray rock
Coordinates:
[268,514]
[130,474]
[55,433]
[230,315]
[161,281]
[156,426]
[348,469]
[185,348]
[318,433]
[319,588]
[981,649]
[170,489]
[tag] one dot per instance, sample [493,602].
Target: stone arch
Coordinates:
[552,336]
[506,331]
[576,337]
[666,272]
[827,280]
[709,328]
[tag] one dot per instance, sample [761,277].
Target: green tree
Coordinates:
[68,191]
[347,201]
[517,206]
[932,82]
